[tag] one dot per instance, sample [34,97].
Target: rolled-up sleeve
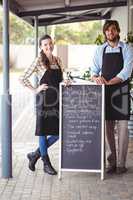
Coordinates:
[126,72]
[24,78]
[96,63]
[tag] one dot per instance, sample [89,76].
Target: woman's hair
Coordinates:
[44,58]
[108,23]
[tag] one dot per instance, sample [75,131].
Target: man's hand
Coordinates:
[105,81]
[98,79]
[112,81]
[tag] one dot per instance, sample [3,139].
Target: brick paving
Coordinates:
[27,185]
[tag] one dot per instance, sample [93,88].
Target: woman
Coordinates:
[49,71]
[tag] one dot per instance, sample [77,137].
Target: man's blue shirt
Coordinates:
[127,52]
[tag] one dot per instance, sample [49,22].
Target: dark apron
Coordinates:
[47,104]
[117,97]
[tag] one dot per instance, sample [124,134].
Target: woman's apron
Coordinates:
[47,104]
[117,97]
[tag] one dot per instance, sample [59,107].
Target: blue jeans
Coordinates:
[45,142]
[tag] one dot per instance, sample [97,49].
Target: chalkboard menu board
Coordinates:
[81,122]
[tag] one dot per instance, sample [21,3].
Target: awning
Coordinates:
[51,12]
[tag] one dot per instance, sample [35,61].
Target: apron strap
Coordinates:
[104,53]
[57,63]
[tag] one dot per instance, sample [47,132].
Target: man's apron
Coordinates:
[117,97]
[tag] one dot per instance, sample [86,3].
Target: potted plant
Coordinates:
[129,38]
[87,75]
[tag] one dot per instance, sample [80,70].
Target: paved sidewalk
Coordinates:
[27,185]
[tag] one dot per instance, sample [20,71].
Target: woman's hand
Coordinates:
[67,82]
[41,88]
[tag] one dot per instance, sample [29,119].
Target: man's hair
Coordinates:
[108,23]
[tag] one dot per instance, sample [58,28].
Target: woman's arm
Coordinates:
[24,79]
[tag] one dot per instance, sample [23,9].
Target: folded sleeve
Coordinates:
[24,78]
[127,70]
[97,62]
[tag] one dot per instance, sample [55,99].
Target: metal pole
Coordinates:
[45,29]
[36,36]
[129,14]
[36,54]
[36,45]
[6,125]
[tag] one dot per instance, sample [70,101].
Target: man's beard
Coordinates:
[115,39]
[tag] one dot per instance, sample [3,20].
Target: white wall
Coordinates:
[74,57]
[80,56]
[121,15]
[21,56]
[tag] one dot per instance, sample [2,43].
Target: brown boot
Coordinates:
[47,167]
[111,169]
[121,170]
[33,157]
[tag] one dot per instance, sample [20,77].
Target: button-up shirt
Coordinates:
[127,52]
[38,68]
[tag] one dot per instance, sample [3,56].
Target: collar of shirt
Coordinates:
[110,49]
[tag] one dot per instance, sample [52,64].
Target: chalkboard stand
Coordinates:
[102,139]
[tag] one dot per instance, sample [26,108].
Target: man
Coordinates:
[112,66]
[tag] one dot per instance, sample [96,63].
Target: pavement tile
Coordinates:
[27,185]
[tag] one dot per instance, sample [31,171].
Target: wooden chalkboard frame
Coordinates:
[101,171]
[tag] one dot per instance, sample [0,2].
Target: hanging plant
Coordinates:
[99,40]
